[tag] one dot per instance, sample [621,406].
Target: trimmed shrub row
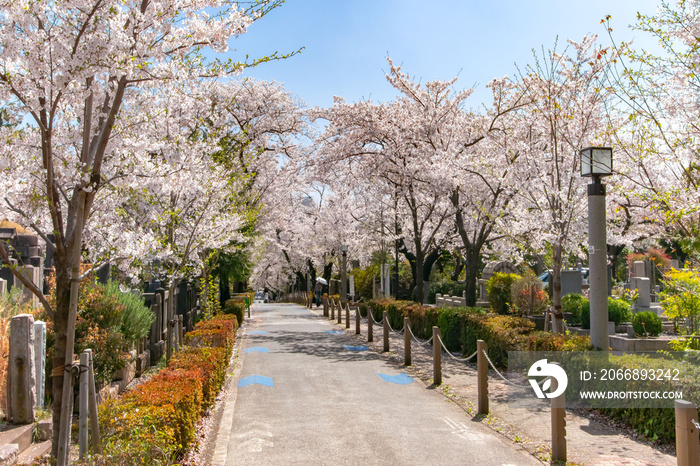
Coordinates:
[154,423]
[236,307]
[462,327]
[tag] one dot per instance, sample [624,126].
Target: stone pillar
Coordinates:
[33,274]
[40,360]
[3,286]
[22,376]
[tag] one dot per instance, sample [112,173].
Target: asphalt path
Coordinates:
[305,392]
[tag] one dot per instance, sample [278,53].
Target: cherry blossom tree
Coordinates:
[71,72]
[657,92]
[374,148]
[566,114]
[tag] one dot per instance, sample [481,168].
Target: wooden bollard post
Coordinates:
[437,357]
[385,325]
[482,371]
[358,319]
[406,341]
[332,309]
[347,315]
[340,312]
[370,325]
[92,401]
[83,397]
[325,306]
[559,424]
[687,446]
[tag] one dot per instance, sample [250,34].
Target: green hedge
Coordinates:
[657,423]
[154,423]
[619,311]
[462,327]
[235,307]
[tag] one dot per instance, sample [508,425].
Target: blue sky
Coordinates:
[346,42]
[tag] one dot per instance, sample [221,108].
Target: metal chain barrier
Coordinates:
[455,357]
[417,340]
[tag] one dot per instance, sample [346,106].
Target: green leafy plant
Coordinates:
[689,343]
[135,319]
[681,296]
[210,290]
[498,289]
[619,311]
[573,304]
[646,324]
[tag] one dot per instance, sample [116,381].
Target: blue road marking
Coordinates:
[335,332]
[357,348]
[255,379]
[256,349]
[257,332]
[401,379]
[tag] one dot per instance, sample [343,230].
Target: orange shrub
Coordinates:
[154,423]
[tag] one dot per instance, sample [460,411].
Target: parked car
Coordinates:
[584,276]
[261,297]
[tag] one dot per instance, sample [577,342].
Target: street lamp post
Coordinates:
[344,274]
[596,162]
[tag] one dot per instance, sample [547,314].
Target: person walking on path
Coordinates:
[318,291]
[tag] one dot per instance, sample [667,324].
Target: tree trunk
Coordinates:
[60,326]
[472,271]
[558,322]
[459,265]
[224,288]
[419,273]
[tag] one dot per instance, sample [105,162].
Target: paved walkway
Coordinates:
[589,442]
[306,392]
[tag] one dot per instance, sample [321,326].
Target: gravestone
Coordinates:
[49,260]
[40,360]
[103,273]
[571,282]
[438,299]
[639,269]
[3,286]
[21,371]
[644,302]
[6,273]
[674,264]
